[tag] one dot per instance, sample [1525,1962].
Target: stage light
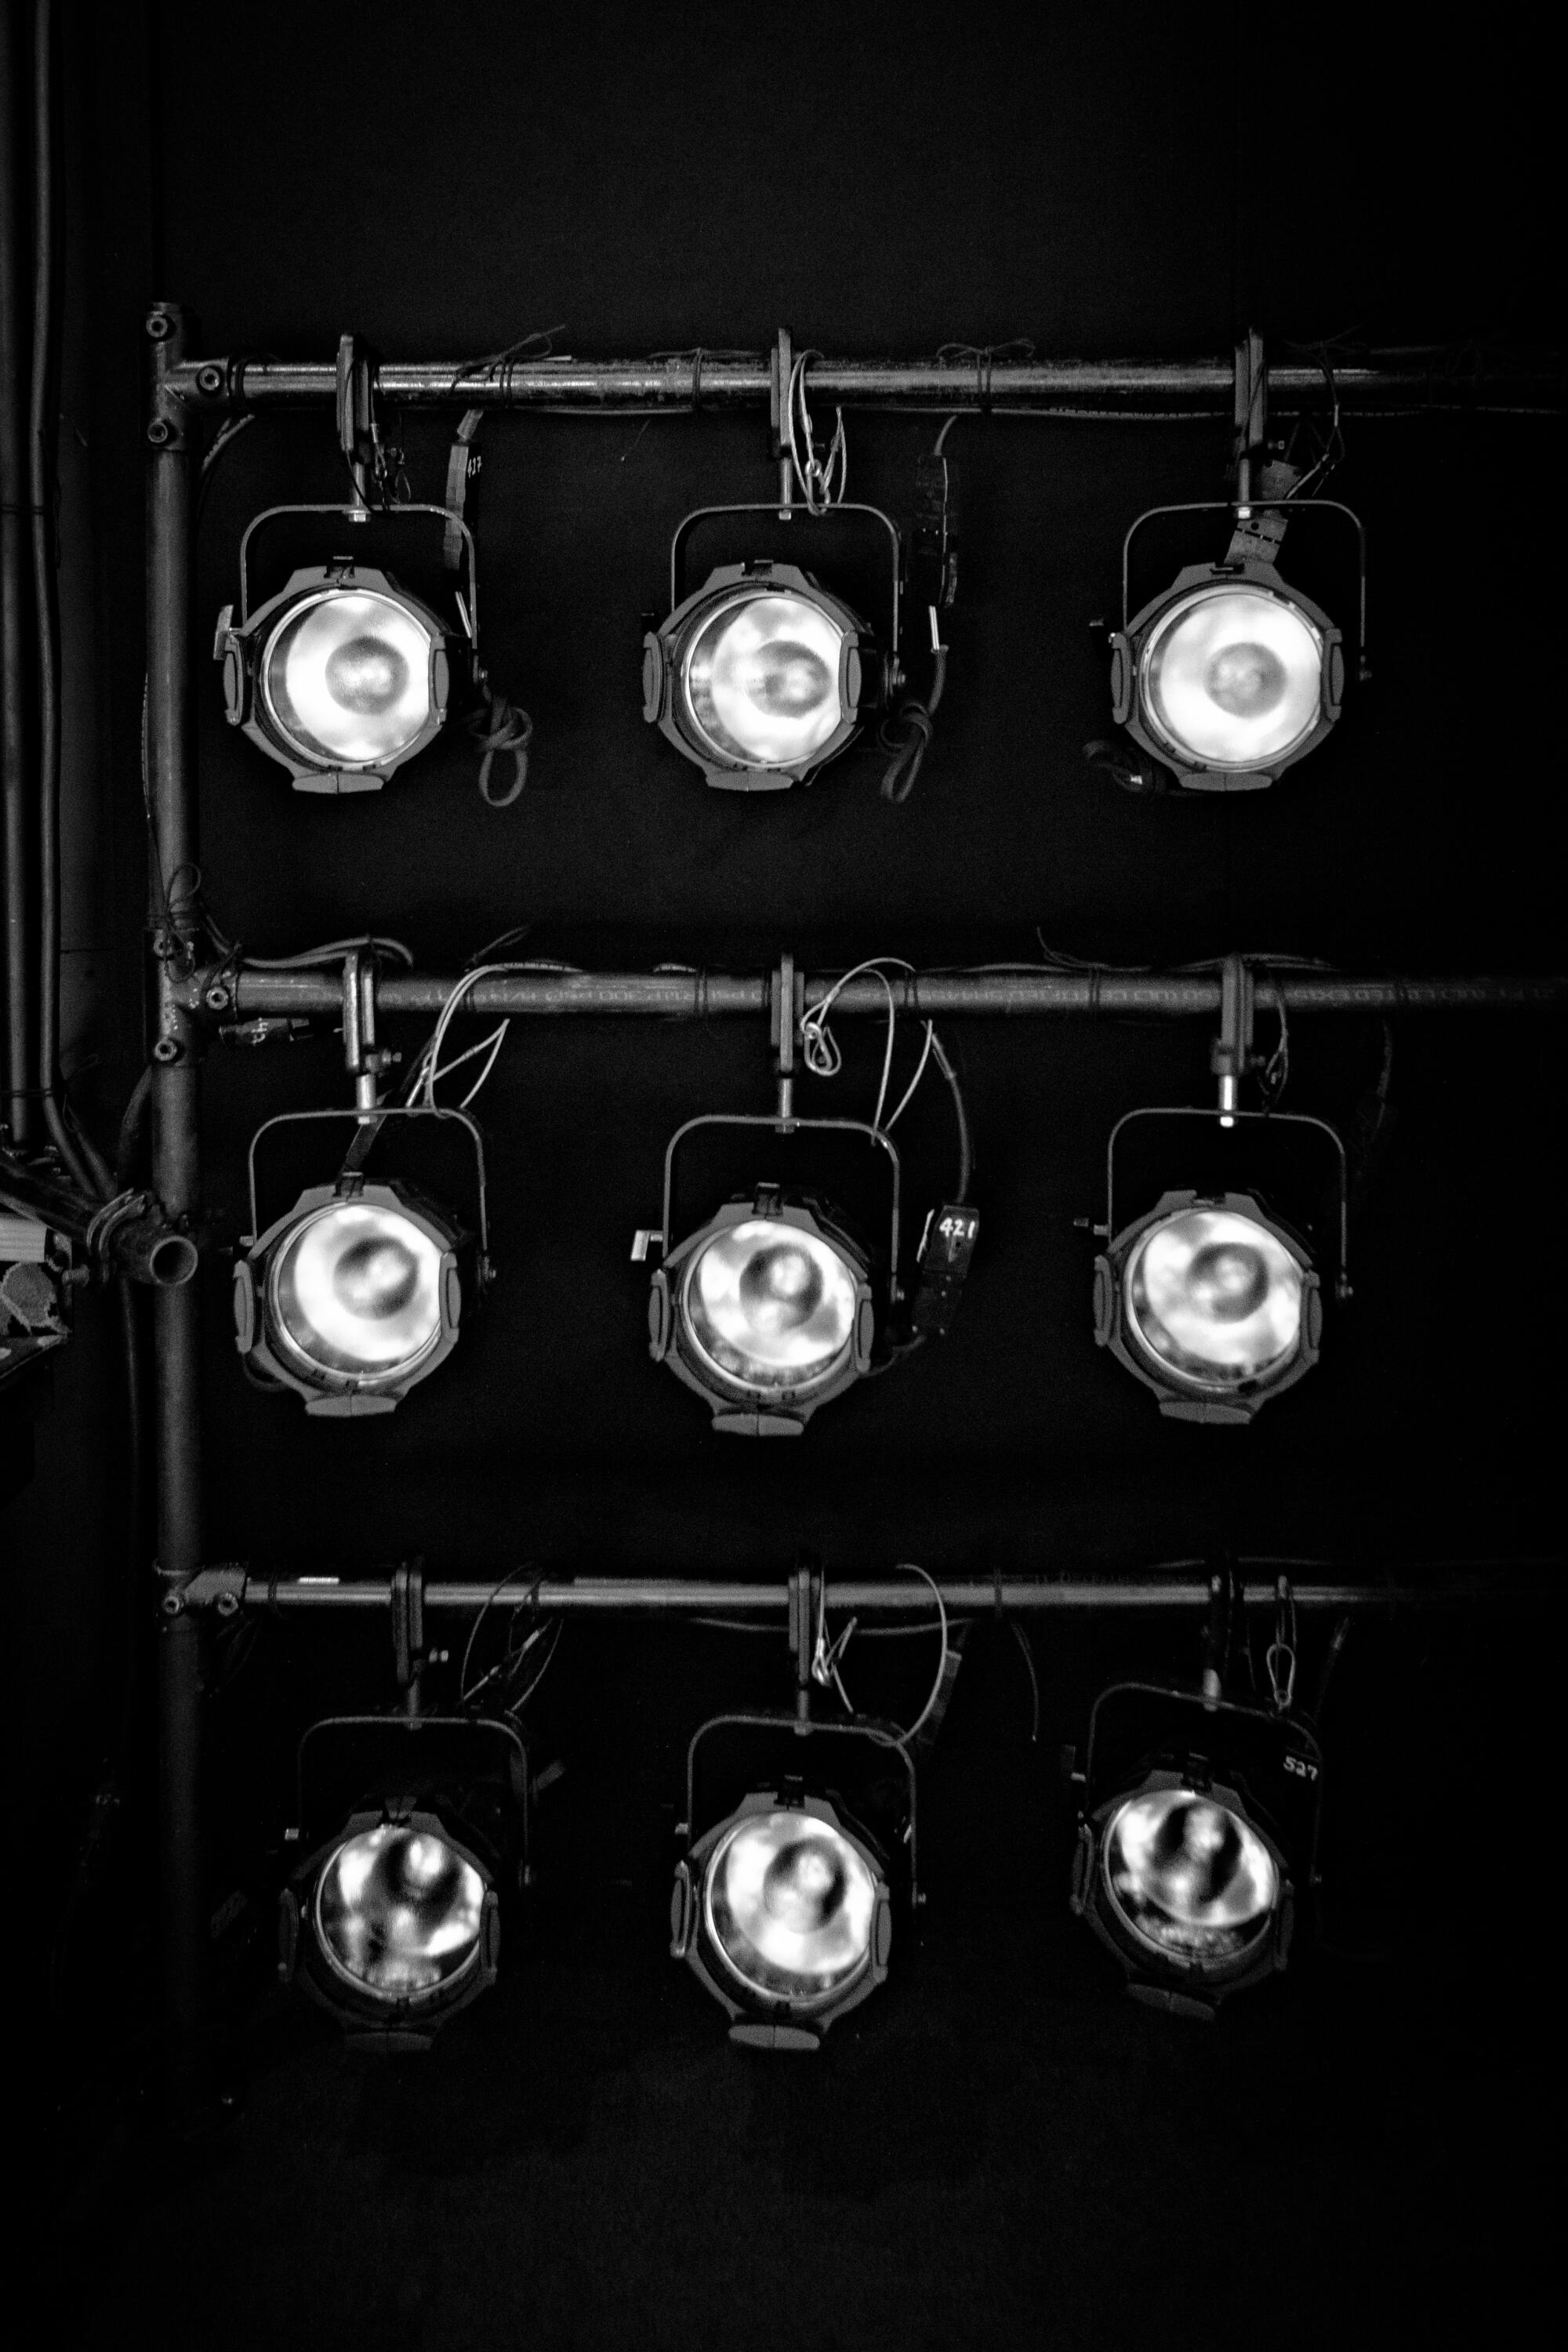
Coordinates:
[783,1912]
[766,1311]
[351,1297]
[1209,1302]
[1231,674]
[340,678]
[392,1922]
[761,677]
[1229,677]
[343,675]
[783,1908]
[1184,1865]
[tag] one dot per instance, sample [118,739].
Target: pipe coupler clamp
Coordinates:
[219,1589]
[132,1235]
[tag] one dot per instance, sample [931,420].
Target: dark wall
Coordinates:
[1134,182]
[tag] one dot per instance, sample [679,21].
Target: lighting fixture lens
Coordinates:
[761,679]
[771,1307]
[347,676]
[1190,1878]
[398,1913]
[790,1902]
[1214,1298]
[1233,675]
[357,1289]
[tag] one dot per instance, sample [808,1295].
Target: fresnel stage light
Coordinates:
[393,1920]
[783,1907]
[343,675]
[1208,1299]
[1231,675]
[354,1293]
[774,1304]
[1198,1822]
[761,674]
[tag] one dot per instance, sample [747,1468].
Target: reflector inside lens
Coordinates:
[356,1288]
[771,1305]
[1214,1297]
[761,679]
[1189,1876]
[347,676]
[789,1902]
[1233,675]
[398,1912]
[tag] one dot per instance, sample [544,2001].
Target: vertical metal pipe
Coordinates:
[176,1169]
[16,832]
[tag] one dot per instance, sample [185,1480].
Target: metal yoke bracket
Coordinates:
[781,369]
[1230,1056]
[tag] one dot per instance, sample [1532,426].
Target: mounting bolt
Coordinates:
[173,1604]
[160,326]
[210,379]
[217,998]
[227,1604]
[165,1049]
[159,431]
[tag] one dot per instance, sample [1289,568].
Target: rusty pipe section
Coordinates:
[230,1587]
[973,380]
[704,995]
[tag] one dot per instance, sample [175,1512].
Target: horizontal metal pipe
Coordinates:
[692,1596]
[973,381]
[702,995]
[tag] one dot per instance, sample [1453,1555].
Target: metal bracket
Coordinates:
[407,1597]
[1261,1118]
[449,521]
[220,1589]
[1251,416]
[784,1013]
[1230,1057]
[357,436]
[867,1728]
[361,1059]
[781,368]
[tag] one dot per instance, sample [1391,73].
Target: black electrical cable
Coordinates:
[907,732]
[965,1149]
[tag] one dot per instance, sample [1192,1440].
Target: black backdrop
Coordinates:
[1122,182]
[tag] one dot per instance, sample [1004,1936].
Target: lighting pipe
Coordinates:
[229,1589]
[176,1169]
[976,381]
[220,991]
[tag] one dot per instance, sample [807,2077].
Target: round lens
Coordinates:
[347,676]
[770,1305]
[789,1902]
[761,679]
[398,1913]
[1215,1298]
[1191,1878]
[1232,677]
[357,1289]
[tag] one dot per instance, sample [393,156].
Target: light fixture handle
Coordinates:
[1287,505]
[383,1111]
[787,1126]
[805,515]
[1213,1114]
[450,522]
[868,1727]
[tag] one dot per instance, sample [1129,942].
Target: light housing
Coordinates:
[783,1911]
[1188,1857]
[762,676]
[766,1311]
[392,1922]
[1229,677]
[349,1298]
[1211,1303]
[341,676]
